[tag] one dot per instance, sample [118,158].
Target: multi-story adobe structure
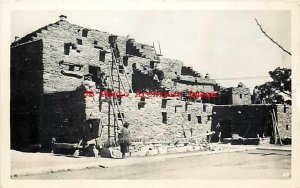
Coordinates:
[47,99]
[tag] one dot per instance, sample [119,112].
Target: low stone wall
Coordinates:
[139,149]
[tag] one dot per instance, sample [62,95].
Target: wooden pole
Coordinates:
[274,130]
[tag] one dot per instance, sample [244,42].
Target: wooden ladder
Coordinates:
[115,83]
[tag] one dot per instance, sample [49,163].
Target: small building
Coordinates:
[239,95]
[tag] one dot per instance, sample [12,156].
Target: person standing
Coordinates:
[255,95]
[219,132]
[124,139]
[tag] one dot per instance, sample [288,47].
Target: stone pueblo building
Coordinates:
[50,103]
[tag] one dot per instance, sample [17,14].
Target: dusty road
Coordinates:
[256,164]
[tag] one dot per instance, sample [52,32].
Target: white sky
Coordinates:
[226,44]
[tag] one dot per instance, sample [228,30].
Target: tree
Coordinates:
[279,90]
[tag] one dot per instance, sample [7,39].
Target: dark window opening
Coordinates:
[121,69]
[164,117]
[100,106]
[134,66]
[204,108]
[67,49]
[208,117]
[98,47]
[112,39]
[120,116]
[78,51]
[287,127]
[102,56]
[95,42]
[241,96]
[199,118]
[164,103]
[284,109]
[189,117]
[71,67]
[79,41]
[85,32]
[95,71]
[141,105]
[119,101]
[151,64]
[125,61]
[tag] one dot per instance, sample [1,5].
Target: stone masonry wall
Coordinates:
[284,116]
[241,96]
[147,123]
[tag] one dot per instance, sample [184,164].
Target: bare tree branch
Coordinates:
[271,38]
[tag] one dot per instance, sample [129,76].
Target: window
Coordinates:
[121,69]
[208,117]
[67,49]
[95,42]
[78,51]
[85,32]
[102,56]
[112,39]
[142,103]
[287,127]
[241,96]
[164,117]
[95,72]
[134,66]
[151,64]
[164,103]
[204,108]
[120,116]
[125,61]
[71,67]
[199,118]
[189,117]
[79,41]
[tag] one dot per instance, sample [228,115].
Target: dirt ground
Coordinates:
[255,164]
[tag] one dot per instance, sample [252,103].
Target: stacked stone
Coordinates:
[92,107]
[147,124]
[240,95]
[159,148]
[284,114]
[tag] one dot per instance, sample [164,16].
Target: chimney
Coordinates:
[62,18]
[16,38]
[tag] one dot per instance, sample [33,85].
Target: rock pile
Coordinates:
[138,149]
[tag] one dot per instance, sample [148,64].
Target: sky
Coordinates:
[226,44]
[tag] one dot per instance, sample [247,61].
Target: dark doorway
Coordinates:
[266,127]
[226,131]
[95,71]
